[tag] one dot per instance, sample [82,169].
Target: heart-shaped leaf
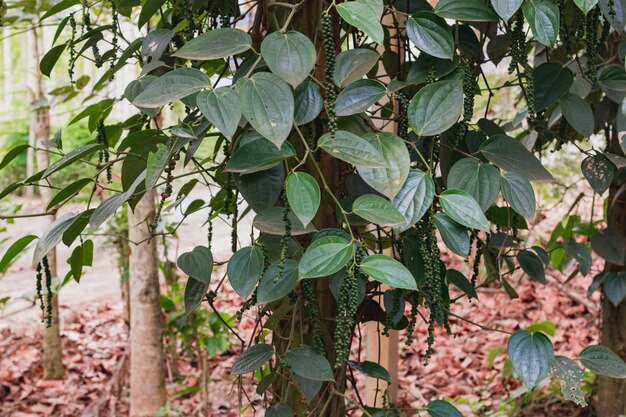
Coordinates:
[245,269]
[258,154]
[252,359]
[510,155]
[465,10]
[352,149]
[352,65]
[308,102]
[453,234]
[436,108]
[303,194]
[578,113]
[389,180]
[552,81]
[603,361]
[506,8]
[289,55]
[363,15]
[273,285]
[359,96]
[222,108]
[174,85]
[267,103]
[519,193]
[387,270]
[431,34]
[531,354]
[216,44]
[598,172]
[197,264]
[543,18]
[309,364]
[325,256]
[414,198]
[481,181]
[377,210]
[463,209]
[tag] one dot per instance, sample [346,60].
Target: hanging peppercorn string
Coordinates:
[115,28]
[71,44]
[329,70]
[347,306]
[103,154]
[39,290]
[314,314]
[48,275]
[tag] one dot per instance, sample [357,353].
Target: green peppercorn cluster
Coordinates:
[39,288]
[168,190]
[347,306]
[403,124]
[233,229]
[432,74]
[591,51]
[86,28]
[71,44]
[412,318]
[247,305]
[518,42]
[210,228]
[115,29]
[329,70]
[103,154]
[314,313]
[286,238]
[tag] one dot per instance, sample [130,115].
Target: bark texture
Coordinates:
[611,399]
[147,371]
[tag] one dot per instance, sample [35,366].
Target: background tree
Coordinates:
[293,100]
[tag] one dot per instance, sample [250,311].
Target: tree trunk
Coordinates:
[147,371]
[39,131]
[611,400]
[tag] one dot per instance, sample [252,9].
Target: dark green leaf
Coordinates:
[148,9]
[510,155]
[581,254]
[267,103]
[352,149]
[365,16]
[273,286]
[353,64]
[458,279]
[279,410]
[481,181]
[308,102]
[436,108]
[245,269]
[614,287]
[431,34]
[441,408]
[389,180]
[50,59]
[415,197]
[271,221]
[519,193]
[68,192]
[543,18]
[262,189]
[309,364]
[387,270]
[258,154]
[531,354]
[603,361]
[252,359]
[174,85]
[197,264]
[578,113]
[371,369]
[465,10]
[70,158]
[532,265]
[586,5]
[377,210]
[463,209]
[552,81]
[506,8]
[453,234]
[195,291]
[16,249]
[289,55]
[325,256]
[222,108]
[12,154]
[216,44]
[304,196]
[51,237]
[610,244]
[359,96]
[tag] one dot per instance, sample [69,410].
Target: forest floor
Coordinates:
[468,367]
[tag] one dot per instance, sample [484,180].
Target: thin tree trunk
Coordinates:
[147,371]
[40,130]
[611,400]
